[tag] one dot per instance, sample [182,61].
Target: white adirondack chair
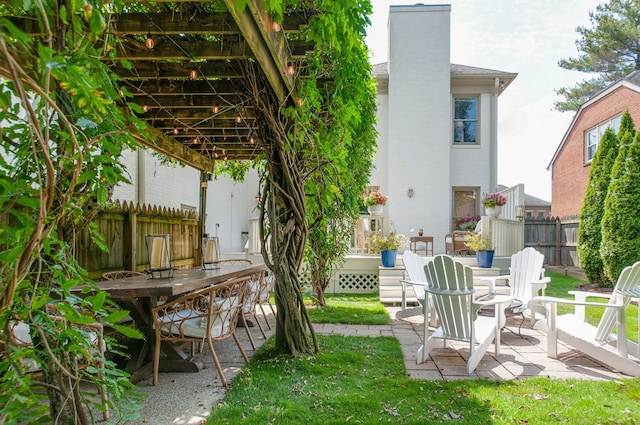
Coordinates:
[598,342]
[414,278]
[526,280]
[450,288]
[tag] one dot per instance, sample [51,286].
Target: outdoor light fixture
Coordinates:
[159,263]
[291,69]
[216,108]
[175,130]
[410,192]
[238,119]
[252,139]
[145,106]
[193,74]
[258,198]
[276,26]
[519,212]
[149,42]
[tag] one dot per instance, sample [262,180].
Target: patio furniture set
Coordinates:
[451,309]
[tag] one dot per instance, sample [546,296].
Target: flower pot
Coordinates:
[494,212]
[485,259]
[389,258]
[375,209]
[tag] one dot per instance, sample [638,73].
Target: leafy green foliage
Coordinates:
[609,48]
[589,230]
[620,245]
[64,128]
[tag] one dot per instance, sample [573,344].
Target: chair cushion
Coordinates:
[193,323]
[251,297]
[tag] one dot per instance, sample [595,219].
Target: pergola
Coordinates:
[185,68]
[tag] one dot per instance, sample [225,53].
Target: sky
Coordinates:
[527,37]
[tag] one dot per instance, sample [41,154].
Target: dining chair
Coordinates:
[266,289]
[252,295]
[210,314]
[120,274]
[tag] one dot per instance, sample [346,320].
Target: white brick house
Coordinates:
[437,125]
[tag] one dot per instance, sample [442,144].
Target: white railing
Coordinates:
[507,236]
[515,201]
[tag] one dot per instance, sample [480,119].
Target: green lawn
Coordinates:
[362,380]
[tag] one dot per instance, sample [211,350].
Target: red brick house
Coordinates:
[571,162]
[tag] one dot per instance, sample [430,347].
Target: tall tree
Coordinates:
[589,230]
[609,48]
[620,245]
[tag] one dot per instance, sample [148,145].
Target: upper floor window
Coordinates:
[465,119]
[592,137]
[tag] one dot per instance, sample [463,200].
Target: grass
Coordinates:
[354,309]
[362,380]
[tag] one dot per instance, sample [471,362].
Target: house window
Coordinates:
[465,205]
[465,119]
[592,136]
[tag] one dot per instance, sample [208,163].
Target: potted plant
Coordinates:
[374,202]
[387,246]
[483,247]
[470,223]
[493,203]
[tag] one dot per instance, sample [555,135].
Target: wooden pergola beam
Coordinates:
[176,150]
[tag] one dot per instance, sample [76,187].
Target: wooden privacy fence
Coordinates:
[555,237]
[124,228]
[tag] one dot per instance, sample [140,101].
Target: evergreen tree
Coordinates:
[609,49]
[626,124]
[589,231]
[620,245]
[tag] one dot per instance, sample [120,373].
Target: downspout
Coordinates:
[140,194]
[202,215]
[493,181]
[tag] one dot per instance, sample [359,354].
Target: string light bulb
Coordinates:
[238,119]
[252,139]
[149,41]
[216,108]
[145,106]
[276,26]
[291,69]
[175,130]
[193,74]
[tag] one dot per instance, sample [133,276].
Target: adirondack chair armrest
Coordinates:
[412,282]
[492,281]
[554,300]
[582,295]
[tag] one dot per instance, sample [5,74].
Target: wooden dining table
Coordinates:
[138,294]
